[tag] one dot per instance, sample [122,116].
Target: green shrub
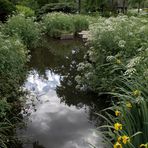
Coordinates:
[28,12]
[118,62]
[33,4]
[80,22]
[13,58]
[6,8]
[12,61]
[25,28]
[55,24]
[57,7]
[113,42]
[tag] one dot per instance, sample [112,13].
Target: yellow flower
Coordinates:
[117,113]
[117,145]
[118,61]
[119,139]
[118,126]
[144,146]
[137,93]
[129,105]
[125,139]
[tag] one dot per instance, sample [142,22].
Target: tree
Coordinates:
[138,3]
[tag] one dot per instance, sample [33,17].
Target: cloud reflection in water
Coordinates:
[54,124]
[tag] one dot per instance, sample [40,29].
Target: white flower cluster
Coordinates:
[81,66]
[122,43]
[133,62]
[129,72]
[78,79]
[88,75]
[110,58]
[92,55]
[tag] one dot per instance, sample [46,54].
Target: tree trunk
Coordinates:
[123,6]
[79,6]
[139,4]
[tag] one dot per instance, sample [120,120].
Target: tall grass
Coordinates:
[55,24]
[25,28]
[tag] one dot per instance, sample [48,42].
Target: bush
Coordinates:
[12,60]
[32,4]
[25,28]
[113,41]
[117,63]
[80,22]
[57,7]
[55,24]
[28,12]
[6,8]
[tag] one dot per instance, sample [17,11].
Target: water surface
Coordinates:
[56,114]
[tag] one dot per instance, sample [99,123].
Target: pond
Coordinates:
[56,114]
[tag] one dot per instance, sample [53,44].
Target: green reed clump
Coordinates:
[55,24]
[81,22]
[25,28]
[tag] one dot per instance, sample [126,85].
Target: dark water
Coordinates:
[56,114]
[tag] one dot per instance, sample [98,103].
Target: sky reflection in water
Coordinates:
[51,123]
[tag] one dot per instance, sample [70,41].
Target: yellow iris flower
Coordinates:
[137,93]
[129,105]
[125,139]
[144,146]
[117,113]
[118,126]
[117,145]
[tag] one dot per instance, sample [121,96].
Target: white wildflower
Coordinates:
[122,43]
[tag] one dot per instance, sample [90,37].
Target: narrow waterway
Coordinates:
[56,114]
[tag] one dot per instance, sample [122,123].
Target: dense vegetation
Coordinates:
[117,64]
[55,24]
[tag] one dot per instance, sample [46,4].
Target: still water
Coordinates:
[56,114]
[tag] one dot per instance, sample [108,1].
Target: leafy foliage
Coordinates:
[57,7]
[113,42]
[28,12]
[13,57]
[25,28]
[54,24]
[6,8]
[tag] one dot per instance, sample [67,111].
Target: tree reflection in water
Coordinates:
[62,58]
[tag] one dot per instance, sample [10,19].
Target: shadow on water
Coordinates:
[56,114]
